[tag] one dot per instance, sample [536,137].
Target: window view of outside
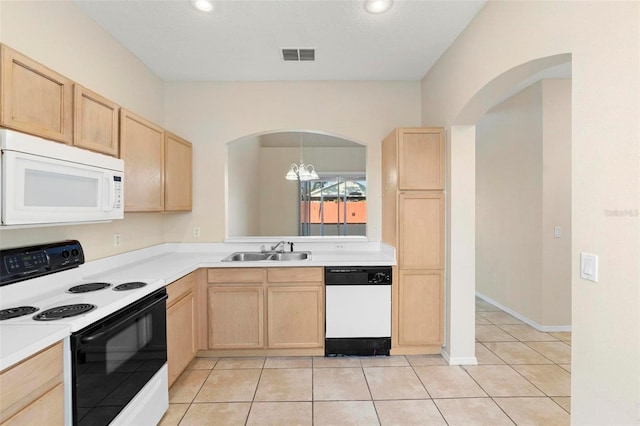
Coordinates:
[333,206]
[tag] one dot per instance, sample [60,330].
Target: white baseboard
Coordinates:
[458,360]
[542,328]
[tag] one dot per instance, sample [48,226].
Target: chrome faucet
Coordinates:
[275,248]
[282,243]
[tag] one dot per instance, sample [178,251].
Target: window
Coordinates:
[333,205]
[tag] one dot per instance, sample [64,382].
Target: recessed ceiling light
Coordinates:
[377,6]
[202,5]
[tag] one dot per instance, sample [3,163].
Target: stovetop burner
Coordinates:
[85,288]
[129,286]
[19,311]
[65,311]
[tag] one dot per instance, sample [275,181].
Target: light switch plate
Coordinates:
[589,266]
[557,231]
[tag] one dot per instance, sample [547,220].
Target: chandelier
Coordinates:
[303,172]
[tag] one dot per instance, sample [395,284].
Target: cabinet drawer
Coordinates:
[46,410]
[295,275]
[179,288]
[24,383]
[235,275]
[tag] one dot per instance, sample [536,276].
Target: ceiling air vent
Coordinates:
[299,54]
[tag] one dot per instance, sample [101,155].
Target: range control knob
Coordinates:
[65,253]
[75,252]
[379,277]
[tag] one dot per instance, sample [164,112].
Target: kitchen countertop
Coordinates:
[18,342]
[168,262]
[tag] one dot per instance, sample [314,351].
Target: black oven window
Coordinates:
[113,363]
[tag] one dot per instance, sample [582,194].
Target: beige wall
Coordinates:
[523,190]
[243,179]
[509,203]
[602,38]
[60,36]
[211,114]
[556,202]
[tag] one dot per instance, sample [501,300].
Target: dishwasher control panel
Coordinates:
[357,275]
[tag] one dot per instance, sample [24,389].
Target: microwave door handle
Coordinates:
[107,197]
[101,333]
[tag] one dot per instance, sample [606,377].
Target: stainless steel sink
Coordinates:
[246,256]
[294,255]
[256,256]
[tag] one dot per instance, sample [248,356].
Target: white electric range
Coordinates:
[115,357]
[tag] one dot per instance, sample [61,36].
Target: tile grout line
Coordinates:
[511,365]
[199,389]
[255,391]
[375,409]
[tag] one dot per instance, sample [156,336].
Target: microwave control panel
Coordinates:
[117,192]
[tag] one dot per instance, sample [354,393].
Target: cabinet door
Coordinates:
[95,123]
[22,385]
[420,308]
[295,316]
[421,236]
[236,316]
[142,149]
[421,159]
[181,335]
[178,173]
[35,99]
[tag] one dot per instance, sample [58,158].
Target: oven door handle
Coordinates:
[101,333]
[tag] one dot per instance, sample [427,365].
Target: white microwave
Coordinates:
[45,182]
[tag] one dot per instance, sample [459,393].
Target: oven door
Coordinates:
[114,359]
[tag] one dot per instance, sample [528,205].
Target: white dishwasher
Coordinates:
[358,310]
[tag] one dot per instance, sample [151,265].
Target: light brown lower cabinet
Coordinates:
[32,392]
[295,317]
[181,325]
[236,317]
[419,309]
[266,309]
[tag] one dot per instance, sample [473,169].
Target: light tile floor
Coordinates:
[523,377]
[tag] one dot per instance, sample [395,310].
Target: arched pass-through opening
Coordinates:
[461,200]
[261,202]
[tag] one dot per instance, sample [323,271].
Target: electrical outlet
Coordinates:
[116,240]
[196,231]
[338,246]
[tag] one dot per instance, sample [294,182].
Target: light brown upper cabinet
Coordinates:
[95,122]
[35,99]
[178,173]
[142,149]
[420,159]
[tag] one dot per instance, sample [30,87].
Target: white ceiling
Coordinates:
[241,40]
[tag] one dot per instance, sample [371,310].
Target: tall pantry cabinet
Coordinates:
[413,222]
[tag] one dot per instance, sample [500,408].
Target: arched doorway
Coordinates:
[461,220]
